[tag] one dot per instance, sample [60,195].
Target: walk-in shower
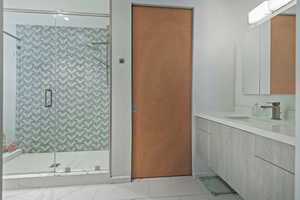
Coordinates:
[57,93]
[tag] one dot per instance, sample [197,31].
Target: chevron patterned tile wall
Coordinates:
[59,58]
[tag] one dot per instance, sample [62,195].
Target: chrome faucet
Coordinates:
[275,110]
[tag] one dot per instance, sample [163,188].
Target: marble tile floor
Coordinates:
[32,163]
[176,188]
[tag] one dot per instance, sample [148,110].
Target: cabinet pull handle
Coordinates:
[48,98]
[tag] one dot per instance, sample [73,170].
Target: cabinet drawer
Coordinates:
[272,183]
[202,124]
[277,153]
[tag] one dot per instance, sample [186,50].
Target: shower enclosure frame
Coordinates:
[73,178]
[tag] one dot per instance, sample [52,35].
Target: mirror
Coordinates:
[269,56]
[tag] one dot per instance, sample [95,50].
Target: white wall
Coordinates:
[214,56]
[93,6]
[90,6]
[12,18]
[245,102]
[121,89]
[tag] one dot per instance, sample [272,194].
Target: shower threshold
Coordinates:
[38,163]
[46,180]
[76,168]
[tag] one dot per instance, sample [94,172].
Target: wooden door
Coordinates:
[283,54]
[162,91]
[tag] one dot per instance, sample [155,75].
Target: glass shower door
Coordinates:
[29,118]
[82,94]
[56,93]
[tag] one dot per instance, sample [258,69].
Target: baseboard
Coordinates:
[204,174]
[120,179]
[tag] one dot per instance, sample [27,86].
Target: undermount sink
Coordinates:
[247,119]
[257,121]
[238,117]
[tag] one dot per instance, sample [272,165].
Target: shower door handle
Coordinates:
[48,98]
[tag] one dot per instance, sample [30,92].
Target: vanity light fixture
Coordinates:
[259,13]
[277,4]
[267,9]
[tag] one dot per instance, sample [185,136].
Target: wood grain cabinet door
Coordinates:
[162,91]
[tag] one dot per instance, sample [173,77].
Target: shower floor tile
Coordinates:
[32,163]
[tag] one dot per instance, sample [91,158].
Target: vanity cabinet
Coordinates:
[231,154]
[254,166]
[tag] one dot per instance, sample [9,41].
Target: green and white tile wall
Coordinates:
[60,59]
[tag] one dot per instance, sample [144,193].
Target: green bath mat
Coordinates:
[216,186]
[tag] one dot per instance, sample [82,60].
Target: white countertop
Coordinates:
[280,131]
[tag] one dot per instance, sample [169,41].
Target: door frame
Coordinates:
[193,131]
